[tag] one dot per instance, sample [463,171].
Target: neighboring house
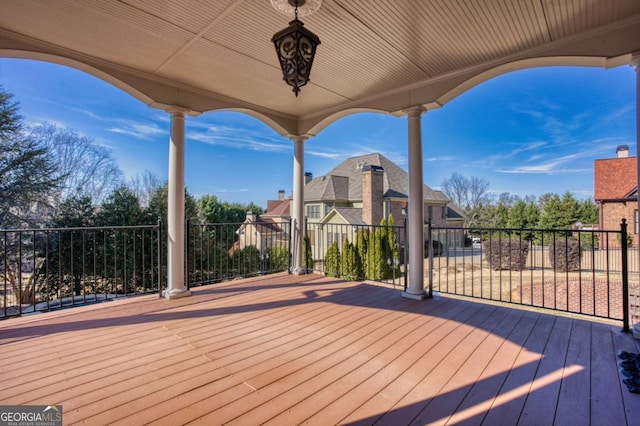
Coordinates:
[263,232]
[362,191]
[616,194]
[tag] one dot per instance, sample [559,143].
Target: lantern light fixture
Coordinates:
[295,45]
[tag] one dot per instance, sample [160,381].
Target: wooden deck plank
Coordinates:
[317,350]
[630,401]
[574,405]
[442,360]
[484,391]
[540,407]
[606,391]
[386,385]
[440,406]
[508,405]
[285,388]
[247,364]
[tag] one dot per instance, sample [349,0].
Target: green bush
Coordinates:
[278,259]
[350,263]
[332,260]
[308,254]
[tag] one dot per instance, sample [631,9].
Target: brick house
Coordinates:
[362,191]
[616,193]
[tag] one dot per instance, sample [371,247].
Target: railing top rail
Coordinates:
[81,228]
[478,230]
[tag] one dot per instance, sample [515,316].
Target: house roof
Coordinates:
[264,225]
[278,208]
[351,215]
[344,182]
[615,178]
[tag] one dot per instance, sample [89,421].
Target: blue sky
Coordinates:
[528,132]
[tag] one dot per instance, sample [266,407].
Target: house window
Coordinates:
[636,221]
[313,211]
[444,212]
[327,208]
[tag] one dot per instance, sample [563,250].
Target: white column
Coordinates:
[175,215]
[297,207]
[415,286]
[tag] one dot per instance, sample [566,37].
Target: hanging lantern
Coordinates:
[296,47]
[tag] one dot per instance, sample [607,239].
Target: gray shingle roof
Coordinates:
[344,182]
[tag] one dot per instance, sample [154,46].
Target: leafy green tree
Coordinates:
[588,212]
[158,204]
[61,273]
[559,213]
[523,216]
[216,211]
[28,174]
[122,208]
[501,216]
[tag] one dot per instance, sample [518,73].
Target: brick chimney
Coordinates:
[251,216]
[281,195]
[622,151]
[308,177]
[372,191]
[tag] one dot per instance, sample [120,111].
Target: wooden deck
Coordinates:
[286,350]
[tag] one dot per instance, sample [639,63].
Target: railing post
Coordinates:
[430,249]
[187,245]
[625,277]
[160,257]
[405,257]
[289,250]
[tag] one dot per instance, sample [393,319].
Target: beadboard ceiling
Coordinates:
[375,54]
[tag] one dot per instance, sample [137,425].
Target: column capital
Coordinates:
[414,110]
[175,110]
[298,138]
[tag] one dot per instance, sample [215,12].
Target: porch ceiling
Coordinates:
[376,54]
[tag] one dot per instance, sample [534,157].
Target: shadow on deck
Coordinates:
[285,349]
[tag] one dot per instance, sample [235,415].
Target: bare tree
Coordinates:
[86,168]
[470,194]
[144,185]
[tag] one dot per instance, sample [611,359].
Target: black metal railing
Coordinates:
[42,269]
[222,251]
[578,271]
[357,252]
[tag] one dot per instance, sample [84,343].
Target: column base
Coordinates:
[299,271]
[176,293]
[421,296]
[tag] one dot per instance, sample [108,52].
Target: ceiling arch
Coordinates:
[375,56]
